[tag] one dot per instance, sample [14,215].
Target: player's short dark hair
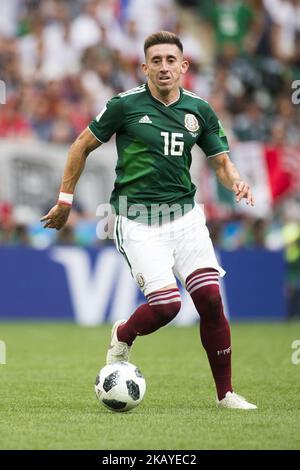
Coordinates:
[162,37]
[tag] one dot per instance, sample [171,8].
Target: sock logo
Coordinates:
[223,352]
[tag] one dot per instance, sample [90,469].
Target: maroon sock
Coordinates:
[203,286]
[162,307]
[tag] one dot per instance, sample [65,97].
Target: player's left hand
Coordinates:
[242,190]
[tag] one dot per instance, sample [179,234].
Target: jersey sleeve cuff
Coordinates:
[218,153]
[101,141]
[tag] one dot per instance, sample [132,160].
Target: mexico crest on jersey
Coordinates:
[191,122]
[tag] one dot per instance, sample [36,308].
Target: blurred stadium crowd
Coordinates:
[62,60]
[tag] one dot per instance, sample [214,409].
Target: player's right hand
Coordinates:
[57,216]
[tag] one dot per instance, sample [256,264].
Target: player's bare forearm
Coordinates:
[79,150]
[229,176]
[225,170]
[77,156]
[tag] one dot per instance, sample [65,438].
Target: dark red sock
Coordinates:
[162,307]
[203,286]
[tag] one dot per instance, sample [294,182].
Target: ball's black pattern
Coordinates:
[114,404]
[133,389]
[111,381]
[138,372]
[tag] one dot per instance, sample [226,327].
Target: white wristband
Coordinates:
[65,198]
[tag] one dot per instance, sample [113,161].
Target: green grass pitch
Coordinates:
[48,401]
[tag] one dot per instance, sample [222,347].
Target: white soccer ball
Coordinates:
[120,386]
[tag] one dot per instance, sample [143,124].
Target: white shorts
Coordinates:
[158,254]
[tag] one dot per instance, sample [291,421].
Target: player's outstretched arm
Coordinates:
[79,150]
[229,176]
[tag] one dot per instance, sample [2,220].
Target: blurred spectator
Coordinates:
[20,235]
[254,235]
[152,15]
[42,117]
[9,17]
[6,211]
[65,236]
[232,22]
[85,29]
[283,14]
[12,122]
[251,124]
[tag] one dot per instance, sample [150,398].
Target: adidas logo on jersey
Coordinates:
[145,120]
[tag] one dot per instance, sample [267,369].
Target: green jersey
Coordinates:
[154,143]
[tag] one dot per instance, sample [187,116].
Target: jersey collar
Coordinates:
[161,102]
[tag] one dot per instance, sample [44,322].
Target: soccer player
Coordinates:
[159,229]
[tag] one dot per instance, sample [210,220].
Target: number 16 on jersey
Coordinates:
[176,147]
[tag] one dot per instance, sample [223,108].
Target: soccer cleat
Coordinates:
[234,401]
[117,351]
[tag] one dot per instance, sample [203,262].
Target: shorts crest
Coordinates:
[140,280]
